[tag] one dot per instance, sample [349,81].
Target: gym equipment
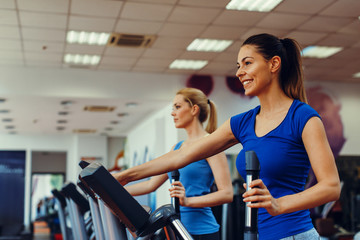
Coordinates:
[251,214]
[78,206]
[126,208]
[95,212]
[106,224]
[175,176]
[60,203]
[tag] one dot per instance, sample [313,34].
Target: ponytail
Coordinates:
[291,74]
[212,123]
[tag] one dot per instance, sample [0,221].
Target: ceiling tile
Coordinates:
[181,30]
[10,44]
[304,6]
[165,42]
[324,24]
[96,8]
[218,68]
[12,54]
[143,11]
[223,32]
[193,15]
[8,17]
[43,64]
[234,48]
[91,24]
[118,61]
[43,20]
[11,62]
[161,53]
[229,58]
[56,47]
[310,61]
[343,8]
[204,3]
[149,69]
[43,34]
[339,40]
[7,4]
[40,57]
[239,18]
[281,33]
[155,1]
[115,68]
[137,27]
[282,21]
[306,38]
[9,32]
[352,28]
[151,62]
[330,62]
[350,54]
[185,72]
[357,46]
[198,55]
[54,6]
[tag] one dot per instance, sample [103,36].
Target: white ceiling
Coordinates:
[33,33]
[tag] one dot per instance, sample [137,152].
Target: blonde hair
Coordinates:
[207,108]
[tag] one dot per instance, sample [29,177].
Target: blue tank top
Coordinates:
[284,165]
[197,179]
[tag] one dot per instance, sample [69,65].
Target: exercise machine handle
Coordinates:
[251,214]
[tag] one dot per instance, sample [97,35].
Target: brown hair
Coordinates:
[196,97]
[291,74]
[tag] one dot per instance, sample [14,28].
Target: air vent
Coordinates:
[99,108]
[84,130]
[130,40]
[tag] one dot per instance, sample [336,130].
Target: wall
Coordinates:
[155,136]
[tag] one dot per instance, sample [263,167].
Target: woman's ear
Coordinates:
[275,63]
[195,109]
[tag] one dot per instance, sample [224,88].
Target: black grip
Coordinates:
[252,161]
[251,214]
[175,175]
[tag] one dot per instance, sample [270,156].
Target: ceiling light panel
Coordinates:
[89,38]
[253,5]
[82,59]
[320,51]
[209,45]
[188,64]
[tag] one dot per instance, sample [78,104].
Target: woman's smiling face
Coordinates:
[253,70]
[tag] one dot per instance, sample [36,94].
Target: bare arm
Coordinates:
[224,194]
[205,147]
[322,161]
[148,186]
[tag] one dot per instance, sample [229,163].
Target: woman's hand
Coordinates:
[120,177]
[178,191]
[259,197]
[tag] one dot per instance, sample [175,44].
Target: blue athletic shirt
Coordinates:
[197,178]
[284,165]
